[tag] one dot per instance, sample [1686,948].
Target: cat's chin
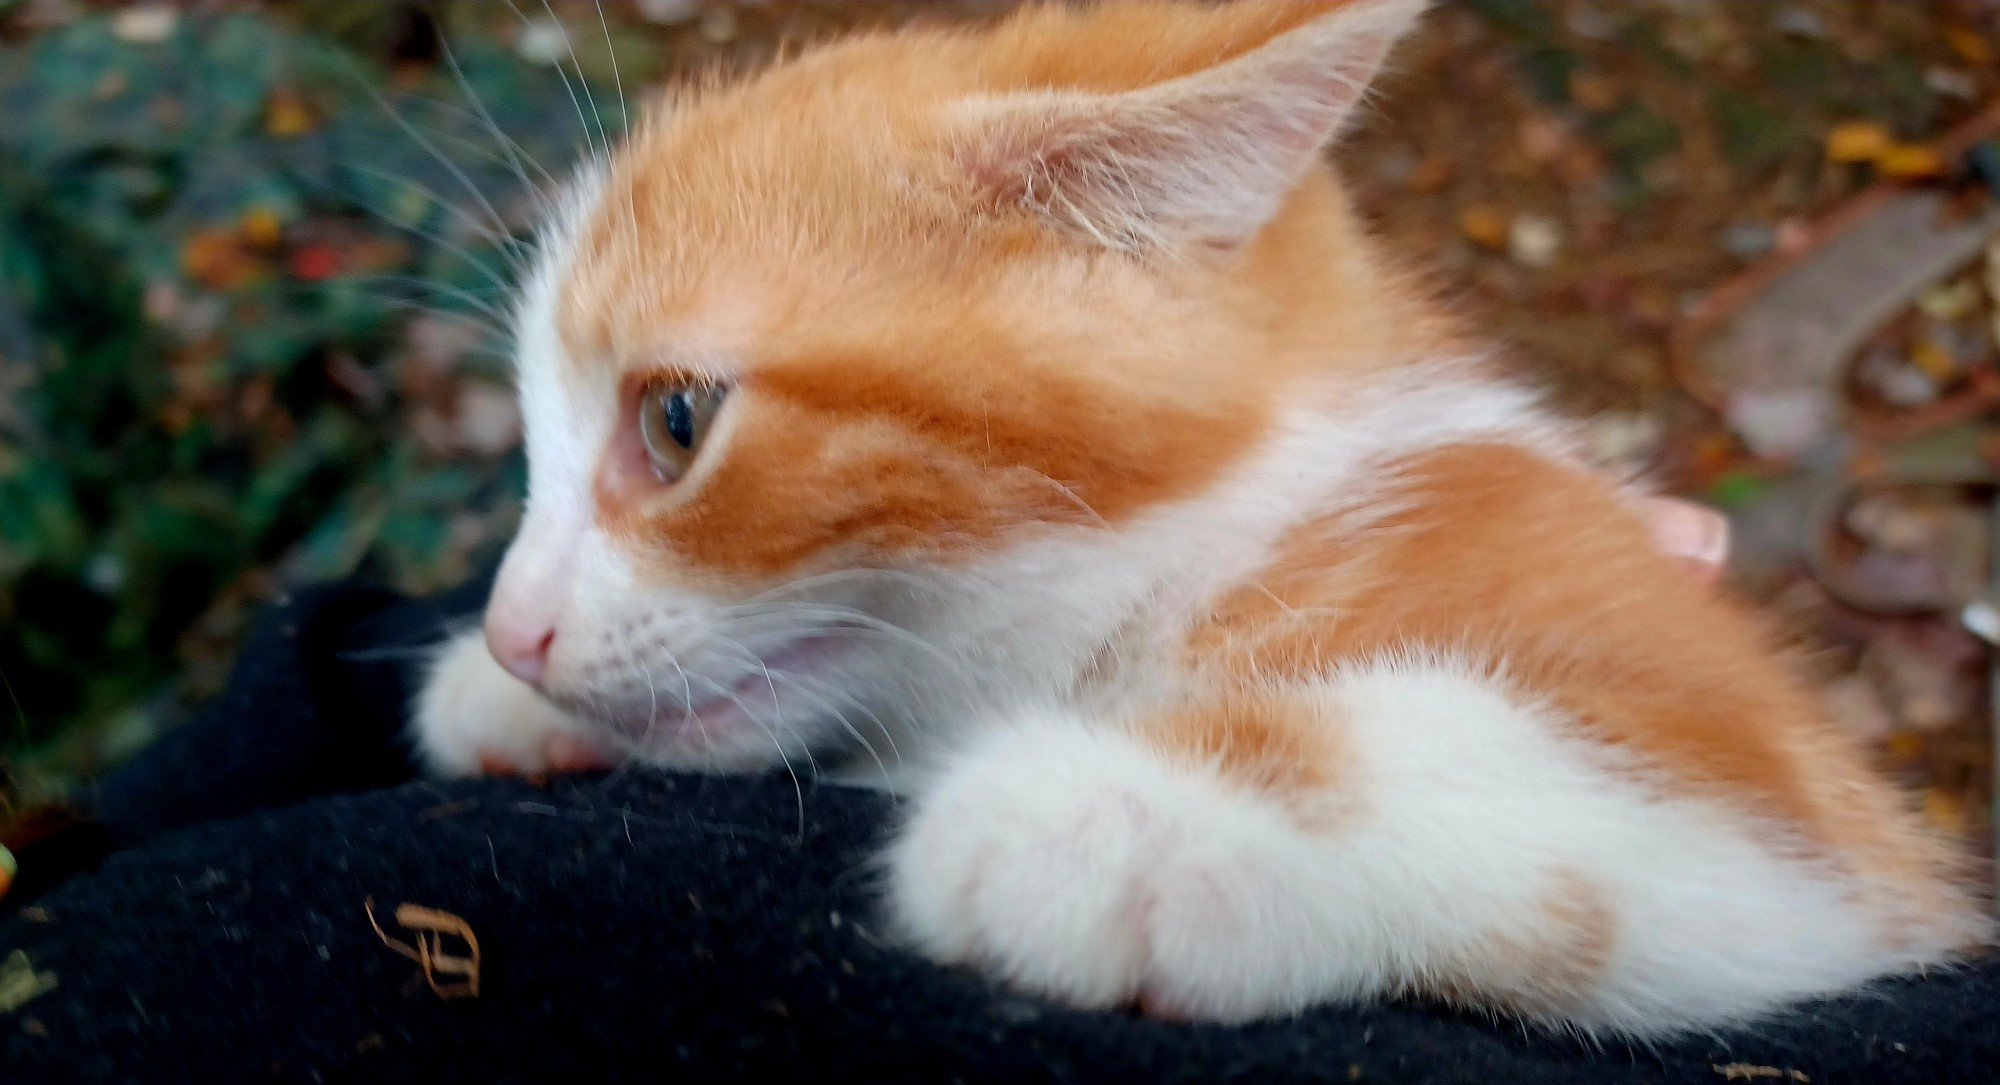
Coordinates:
[760,717]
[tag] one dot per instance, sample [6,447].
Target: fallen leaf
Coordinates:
[1745,1071]
[314,262]
[1935,361]
[1945,811]
[1857,141]
[1905,745]
[217,259]
[1485,226]
[430,926]
[1594,92]
[1970,45]
[262,228]
[1909,162]
[287,115]
[1432,174]
[1543,138]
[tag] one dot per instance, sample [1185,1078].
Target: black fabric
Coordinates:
[646,927]
[314,706]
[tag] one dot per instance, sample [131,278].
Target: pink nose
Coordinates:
[521,648]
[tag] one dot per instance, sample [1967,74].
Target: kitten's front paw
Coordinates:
[473,717]
[1081,867]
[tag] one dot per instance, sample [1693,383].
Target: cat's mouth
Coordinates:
[774,687]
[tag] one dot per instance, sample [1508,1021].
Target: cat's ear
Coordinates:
[1204,159]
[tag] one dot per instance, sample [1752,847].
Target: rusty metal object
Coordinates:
[1993,708]
[1785,331]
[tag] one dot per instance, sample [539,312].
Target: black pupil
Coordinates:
[680,419]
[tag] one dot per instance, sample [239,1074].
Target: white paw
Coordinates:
[1081,867]
[473,717]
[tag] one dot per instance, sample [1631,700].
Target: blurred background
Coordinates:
[254,259]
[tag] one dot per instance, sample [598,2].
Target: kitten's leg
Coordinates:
[1404,829]
[474,717]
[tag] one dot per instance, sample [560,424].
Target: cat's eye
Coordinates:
[674,418]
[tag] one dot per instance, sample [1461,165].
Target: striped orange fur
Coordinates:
[1244,637]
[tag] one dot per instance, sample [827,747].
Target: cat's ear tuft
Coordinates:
[1204,159]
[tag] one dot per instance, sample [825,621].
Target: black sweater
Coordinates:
[647,927]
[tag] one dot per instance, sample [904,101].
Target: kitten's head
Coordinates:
[845,385]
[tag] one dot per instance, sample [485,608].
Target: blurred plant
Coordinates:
[214,230]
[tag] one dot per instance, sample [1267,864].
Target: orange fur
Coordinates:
[1616,635]
[1273,745]
[921,381]
[931,368]
[896,346]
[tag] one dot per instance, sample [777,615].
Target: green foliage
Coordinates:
[210,245]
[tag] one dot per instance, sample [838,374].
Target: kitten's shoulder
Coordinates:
[1399,413]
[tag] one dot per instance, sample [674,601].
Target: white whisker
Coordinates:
[603,140]
[798,789]
[509,247]
[794,683]
[411,130]
[625,122]
[842,576]
[496,320]
[830,617]
[542,193]
[500,282]
[500,138]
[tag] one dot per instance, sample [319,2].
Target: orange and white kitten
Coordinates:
[1027,408]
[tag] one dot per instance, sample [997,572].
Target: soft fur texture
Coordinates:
[1243,640]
